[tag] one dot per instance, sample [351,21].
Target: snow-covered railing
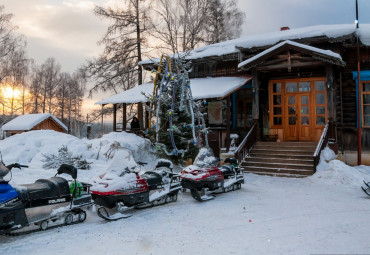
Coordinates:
[246,145]
[327,134]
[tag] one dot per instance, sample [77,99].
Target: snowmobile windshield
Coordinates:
[206,158]
[3,170]
[123,163]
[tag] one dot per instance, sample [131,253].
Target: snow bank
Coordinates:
[334,172]
[28,149]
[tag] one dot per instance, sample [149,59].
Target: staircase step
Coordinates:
[282,156]
[283,151]
[302,160]
[287,143]
[279,175]
[284,147]
[277,165]
[259,169]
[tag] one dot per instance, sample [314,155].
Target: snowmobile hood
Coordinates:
[7,193]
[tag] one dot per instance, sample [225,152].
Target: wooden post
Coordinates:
[124,117]
[102,117]
[114,117]
[255,86]
[140,114]
[330,96]
[147,125]
[228,122]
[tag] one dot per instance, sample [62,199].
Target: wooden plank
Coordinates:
[255,86]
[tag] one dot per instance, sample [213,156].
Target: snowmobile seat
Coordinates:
[46,188]
[153,179]
[227,170]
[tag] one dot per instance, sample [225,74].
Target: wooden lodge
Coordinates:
[28,122]
[303,95]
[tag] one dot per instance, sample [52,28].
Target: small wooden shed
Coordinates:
[28,122]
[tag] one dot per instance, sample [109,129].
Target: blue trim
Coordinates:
[234,110]
[248,85]
[365,76]
[7,192]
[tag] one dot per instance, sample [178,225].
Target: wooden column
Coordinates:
[114,117]
[102,119]
[255,87]
[124,117]
[140,114]
[330,91]
[147,125]
[228,123]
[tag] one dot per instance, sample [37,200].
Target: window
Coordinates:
[320,103]
[277,117]
[365,104]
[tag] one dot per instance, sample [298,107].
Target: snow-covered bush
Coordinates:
[64,157]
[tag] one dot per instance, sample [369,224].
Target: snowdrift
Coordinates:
[335,172]
[28,149]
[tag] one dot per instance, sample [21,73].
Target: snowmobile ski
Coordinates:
[367,188]
[103,213]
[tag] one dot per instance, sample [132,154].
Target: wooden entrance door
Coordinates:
[297,108]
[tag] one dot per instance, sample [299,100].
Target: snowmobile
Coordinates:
[121,188]
[205,178]
[40,205]
[366,189]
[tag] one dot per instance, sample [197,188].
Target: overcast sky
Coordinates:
[68,30]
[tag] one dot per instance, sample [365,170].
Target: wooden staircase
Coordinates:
[284,159]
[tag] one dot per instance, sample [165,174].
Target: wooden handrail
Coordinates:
[246,145]
[329,133]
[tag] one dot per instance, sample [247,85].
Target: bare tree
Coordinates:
[182,25]
[117,68]
[224,21]
[50,70]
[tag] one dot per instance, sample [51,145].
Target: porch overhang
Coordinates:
[203,88]
[307,56]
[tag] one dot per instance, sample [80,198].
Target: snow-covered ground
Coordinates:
[323,214]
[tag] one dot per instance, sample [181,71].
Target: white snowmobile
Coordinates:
[122,189]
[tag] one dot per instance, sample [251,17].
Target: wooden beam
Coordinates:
[228,123]
[147,115]
[330,96]
[255,87]
[140,114]
[114,117]
[124,117]
[293,65]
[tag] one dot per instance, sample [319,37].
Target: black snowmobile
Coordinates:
[121,188]
[366,189]
[47,202]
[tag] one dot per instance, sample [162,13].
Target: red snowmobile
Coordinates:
[205,177]
[121,188]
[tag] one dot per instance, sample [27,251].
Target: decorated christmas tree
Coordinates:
[178,128]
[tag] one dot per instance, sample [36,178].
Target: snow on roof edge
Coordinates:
[272,38]
[300,45]
[28,121]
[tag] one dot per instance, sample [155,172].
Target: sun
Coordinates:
[10,93]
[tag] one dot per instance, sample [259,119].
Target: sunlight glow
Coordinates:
[10,93]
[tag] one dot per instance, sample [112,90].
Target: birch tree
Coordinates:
[117,69]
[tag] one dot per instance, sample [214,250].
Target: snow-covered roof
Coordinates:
[201,88]
[327,53]
[272,38]
[28,121]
